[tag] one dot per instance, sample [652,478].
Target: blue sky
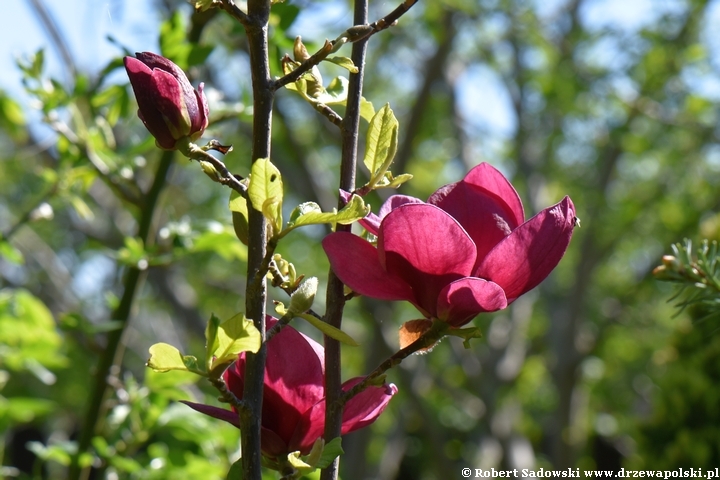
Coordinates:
[87,23]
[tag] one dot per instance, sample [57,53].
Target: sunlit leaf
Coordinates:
[381,143]
[344,62]
[234,336]
[329,330]
[165,357]
[238,207]
[266,191]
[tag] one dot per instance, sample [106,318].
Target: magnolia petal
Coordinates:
[371,223]
[427,248]
[523,259]
[200,122]
[294,380]
[170,98]
[215,412]
[360,411]
[462,300]
[356,262]
[365,407]
[484,203]
[143,84]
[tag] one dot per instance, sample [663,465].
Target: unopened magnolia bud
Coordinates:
[299,51]
[167,103]
[302,299]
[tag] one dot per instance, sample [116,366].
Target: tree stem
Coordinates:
[335,298]
[256,292]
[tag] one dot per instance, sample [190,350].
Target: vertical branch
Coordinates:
[114,350]
[334,298]
[256,28]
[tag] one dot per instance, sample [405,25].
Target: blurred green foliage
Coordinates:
[591,370]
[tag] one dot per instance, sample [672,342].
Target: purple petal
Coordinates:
[523,260]
[484,203]
[294,380]
[427,248]
[356,262]
[144,86]
[365,407]
[371,223]
[360,411]
[215,412]
[462,300]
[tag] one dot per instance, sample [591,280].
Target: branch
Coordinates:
[234,11]
[359,32]
[220,174]
[427,340]
[335,298]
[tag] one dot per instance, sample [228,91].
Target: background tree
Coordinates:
[622,119]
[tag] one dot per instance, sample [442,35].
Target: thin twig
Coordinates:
[234,11]
[352,35]
[428,339]
[226,395]
[224,176]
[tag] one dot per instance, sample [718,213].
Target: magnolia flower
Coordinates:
[167,103]
[466,251]
[293,410]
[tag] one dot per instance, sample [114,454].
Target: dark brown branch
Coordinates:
[234,11]
[360,32]
[335,298]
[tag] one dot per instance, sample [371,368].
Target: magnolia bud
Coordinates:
[170,108]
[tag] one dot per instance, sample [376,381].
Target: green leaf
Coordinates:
[238,207]
[222,242]
[381,143]
[344,62]
[165,357]
[335,93]
[297,463]
[329,330]
[367,110]
[465,333]
[235,335]
[332,450]
[211,339]
[266,191]
[309,213]
[10,253]
[235,472]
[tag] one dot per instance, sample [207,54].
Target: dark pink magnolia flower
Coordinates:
[293,411]
[466,251]
[167,103]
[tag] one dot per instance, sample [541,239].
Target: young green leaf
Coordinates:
[344,62]
[466,334]
[329,330]
[381,143]
[235,335]
[211,339]
[266,191]
[310,214]
[165,357]
[239,209]
[367,110]
[332,450]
